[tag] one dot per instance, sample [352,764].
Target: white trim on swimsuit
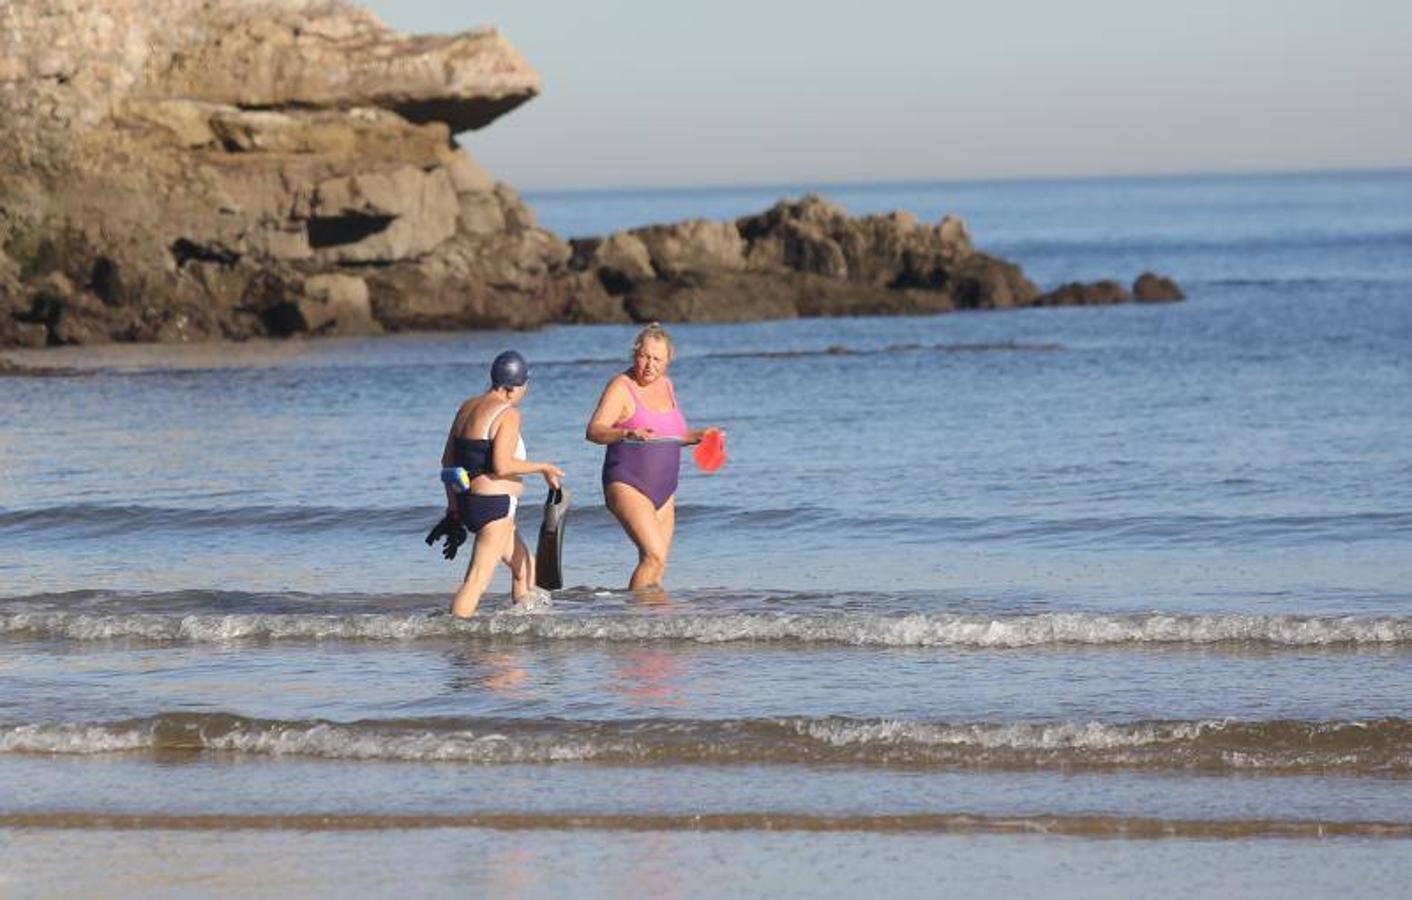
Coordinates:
[518,454]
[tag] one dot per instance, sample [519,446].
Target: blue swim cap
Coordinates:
[509,370]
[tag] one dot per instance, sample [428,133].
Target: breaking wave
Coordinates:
[857,629]
[1376,747]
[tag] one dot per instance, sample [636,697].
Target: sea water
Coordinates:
[1070,602]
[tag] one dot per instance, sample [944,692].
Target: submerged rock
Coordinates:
[9,368]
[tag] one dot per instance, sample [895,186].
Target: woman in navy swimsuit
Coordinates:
[643,430]
[485,441]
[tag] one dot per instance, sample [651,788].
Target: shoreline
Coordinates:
[1097,827]
[46,362]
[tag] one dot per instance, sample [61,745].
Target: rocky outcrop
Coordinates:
[1090,293]
[190,169]
[1152,288]
[798,258]
[804,258]
[1147,288]
[179,170]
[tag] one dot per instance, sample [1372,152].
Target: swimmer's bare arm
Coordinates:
[614,406]
[506,436]
[448,453]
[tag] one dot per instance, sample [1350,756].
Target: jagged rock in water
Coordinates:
[803,257]
[1147,288]
[1152,288]
[1092,293]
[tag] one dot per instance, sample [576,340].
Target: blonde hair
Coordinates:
[653,330]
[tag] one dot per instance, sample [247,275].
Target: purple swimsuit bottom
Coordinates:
[651,467]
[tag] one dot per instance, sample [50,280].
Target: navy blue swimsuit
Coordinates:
[473,455]
[478,510]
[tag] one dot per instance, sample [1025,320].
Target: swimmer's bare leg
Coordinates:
[521,563]
[488,550]
[640,520]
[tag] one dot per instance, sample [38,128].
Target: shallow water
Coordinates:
[975,594]
[451,862]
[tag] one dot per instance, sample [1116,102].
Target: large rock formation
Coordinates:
[178,170]
[186,169]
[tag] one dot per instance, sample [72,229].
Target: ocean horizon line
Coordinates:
[797,187]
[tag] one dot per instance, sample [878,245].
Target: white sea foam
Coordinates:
[1010,736]
[75,739]
[339,742]
[1383,747]
[857,629]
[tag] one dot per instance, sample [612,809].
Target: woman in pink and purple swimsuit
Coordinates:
[643,430]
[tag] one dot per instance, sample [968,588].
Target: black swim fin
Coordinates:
[549,552]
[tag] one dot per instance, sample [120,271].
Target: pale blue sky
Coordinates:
[642,93]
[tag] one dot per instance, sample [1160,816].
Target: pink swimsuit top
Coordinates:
[669,424]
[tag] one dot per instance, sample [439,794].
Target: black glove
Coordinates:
[449,527]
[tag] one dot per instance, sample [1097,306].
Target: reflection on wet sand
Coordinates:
[498,672]
[651,676]
[512,871]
